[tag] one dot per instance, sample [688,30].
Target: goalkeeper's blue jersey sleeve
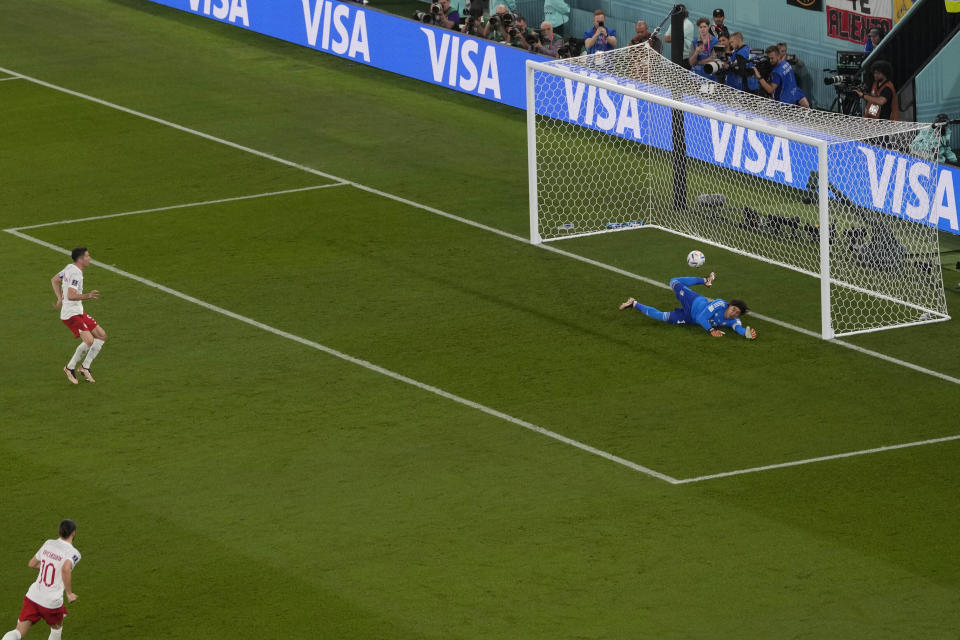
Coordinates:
[710,316]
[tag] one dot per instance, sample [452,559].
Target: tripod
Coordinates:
[847,102]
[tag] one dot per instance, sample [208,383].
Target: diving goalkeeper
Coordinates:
[695,308]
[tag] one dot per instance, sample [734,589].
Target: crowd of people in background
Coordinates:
[499,24]
[710,49]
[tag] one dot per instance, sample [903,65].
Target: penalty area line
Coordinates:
[178,206]
[797,463]
[365,364]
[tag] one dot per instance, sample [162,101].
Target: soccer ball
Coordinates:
[696,259]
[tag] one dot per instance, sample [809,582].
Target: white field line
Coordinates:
[265,155]
[178,206]
[365,364]
[450,216]
[796,463]
[11,78]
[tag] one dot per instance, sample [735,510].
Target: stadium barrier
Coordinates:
[497,72]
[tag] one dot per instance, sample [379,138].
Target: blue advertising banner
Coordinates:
[382,40]
[896,184]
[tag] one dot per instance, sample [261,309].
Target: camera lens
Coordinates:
[835,80]
[712,68]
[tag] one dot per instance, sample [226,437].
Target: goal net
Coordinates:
[625,139]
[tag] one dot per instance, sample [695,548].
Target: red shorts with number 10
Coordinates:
[78,323]
[33,612]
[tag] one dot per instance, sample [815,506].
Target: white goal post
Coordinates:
[625,140]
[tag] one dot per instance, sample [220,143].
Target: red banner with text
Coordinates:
[851,19]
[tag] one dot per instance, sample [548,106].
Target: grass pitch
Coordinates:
[232,481]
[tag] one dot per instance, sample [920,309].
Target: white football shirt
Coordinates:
[47,591]
[71,276]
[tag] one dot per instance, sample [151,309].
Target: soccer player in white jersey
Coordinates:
[68,287]
[56,560]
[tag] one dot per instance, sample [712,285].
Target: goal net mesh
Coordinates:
[625,139]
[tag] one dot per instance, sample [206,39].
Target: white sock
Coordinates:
[94,350]
[55,634]
[77,355]
[11,635]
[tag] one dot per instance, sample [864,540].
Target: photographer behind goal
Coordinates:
[782,84]
[733,65]
[521,35]
[599,38]
[547,42]
[473,25]
[934,141]
[644,35]
[571,48]
[882,99]
[440,14]
[495,27]
[702,53]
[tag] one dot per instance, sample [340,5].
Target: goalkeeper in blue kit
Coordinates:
[697,309]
